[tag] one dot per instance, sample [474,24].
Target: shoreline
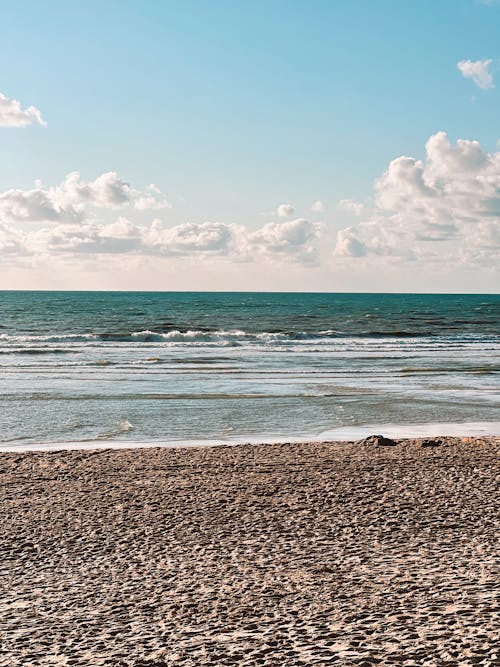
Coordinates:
[288,554]
[340,434]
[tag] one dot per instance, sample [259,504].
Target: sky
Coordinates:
[303,145]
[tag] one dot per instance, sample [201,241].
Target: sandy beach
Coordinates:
[360,553]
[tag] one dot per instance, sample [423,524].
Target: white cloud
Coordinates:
[351,206]
[123,237]
[318,206]
[70,200]
[108,191]
[293,240]
[13,115]
[79,215]
[285,210]
[11,241]
[348,245]
[478,71]
[443,209]
[213,238]
[151,198]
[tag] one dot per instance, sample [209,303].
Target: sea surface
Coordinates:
[118,368]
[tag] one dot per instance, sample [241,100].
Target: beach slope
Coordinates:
[295,554]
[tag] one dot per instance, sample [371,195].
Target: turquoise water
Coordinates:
[102,368]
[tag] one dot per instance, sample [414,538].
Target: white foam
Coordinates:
[338,434]
[413,430]
[48,337]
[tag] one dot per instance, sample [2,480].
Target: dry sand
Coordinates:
[282,555]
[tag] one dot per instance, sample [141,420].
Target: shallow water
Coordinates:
[103,368]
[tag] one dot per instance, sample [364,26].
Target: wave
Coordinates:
[48,338]
[238,336]
[192,335]
[477,370]
[36,351]
[233,338]
[123,426]
[208,396]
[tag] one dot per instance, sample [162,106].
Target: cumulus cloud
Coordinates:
[70,200]
[11,242]
[285,210]
[293,240]
[318,206]
[444,208]
[348,245]
[73,219]
[108,191]
[13,115]
[151,198]
[351,206]
[478,71]
[123,236]
[213,238]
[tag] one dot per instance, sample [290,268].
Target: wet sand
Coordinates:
[276,555]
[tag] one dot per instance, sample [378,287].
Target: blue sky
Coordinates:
[234,107]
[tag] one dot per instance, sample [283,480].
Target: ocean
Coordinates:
[131,368]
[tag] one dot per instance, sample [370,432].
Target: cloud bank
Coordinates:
[442,212]
[69,219]
[13,115]
[445,209]
[294,240]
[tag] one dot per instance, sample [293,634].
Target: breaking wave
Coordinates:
[60,343]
